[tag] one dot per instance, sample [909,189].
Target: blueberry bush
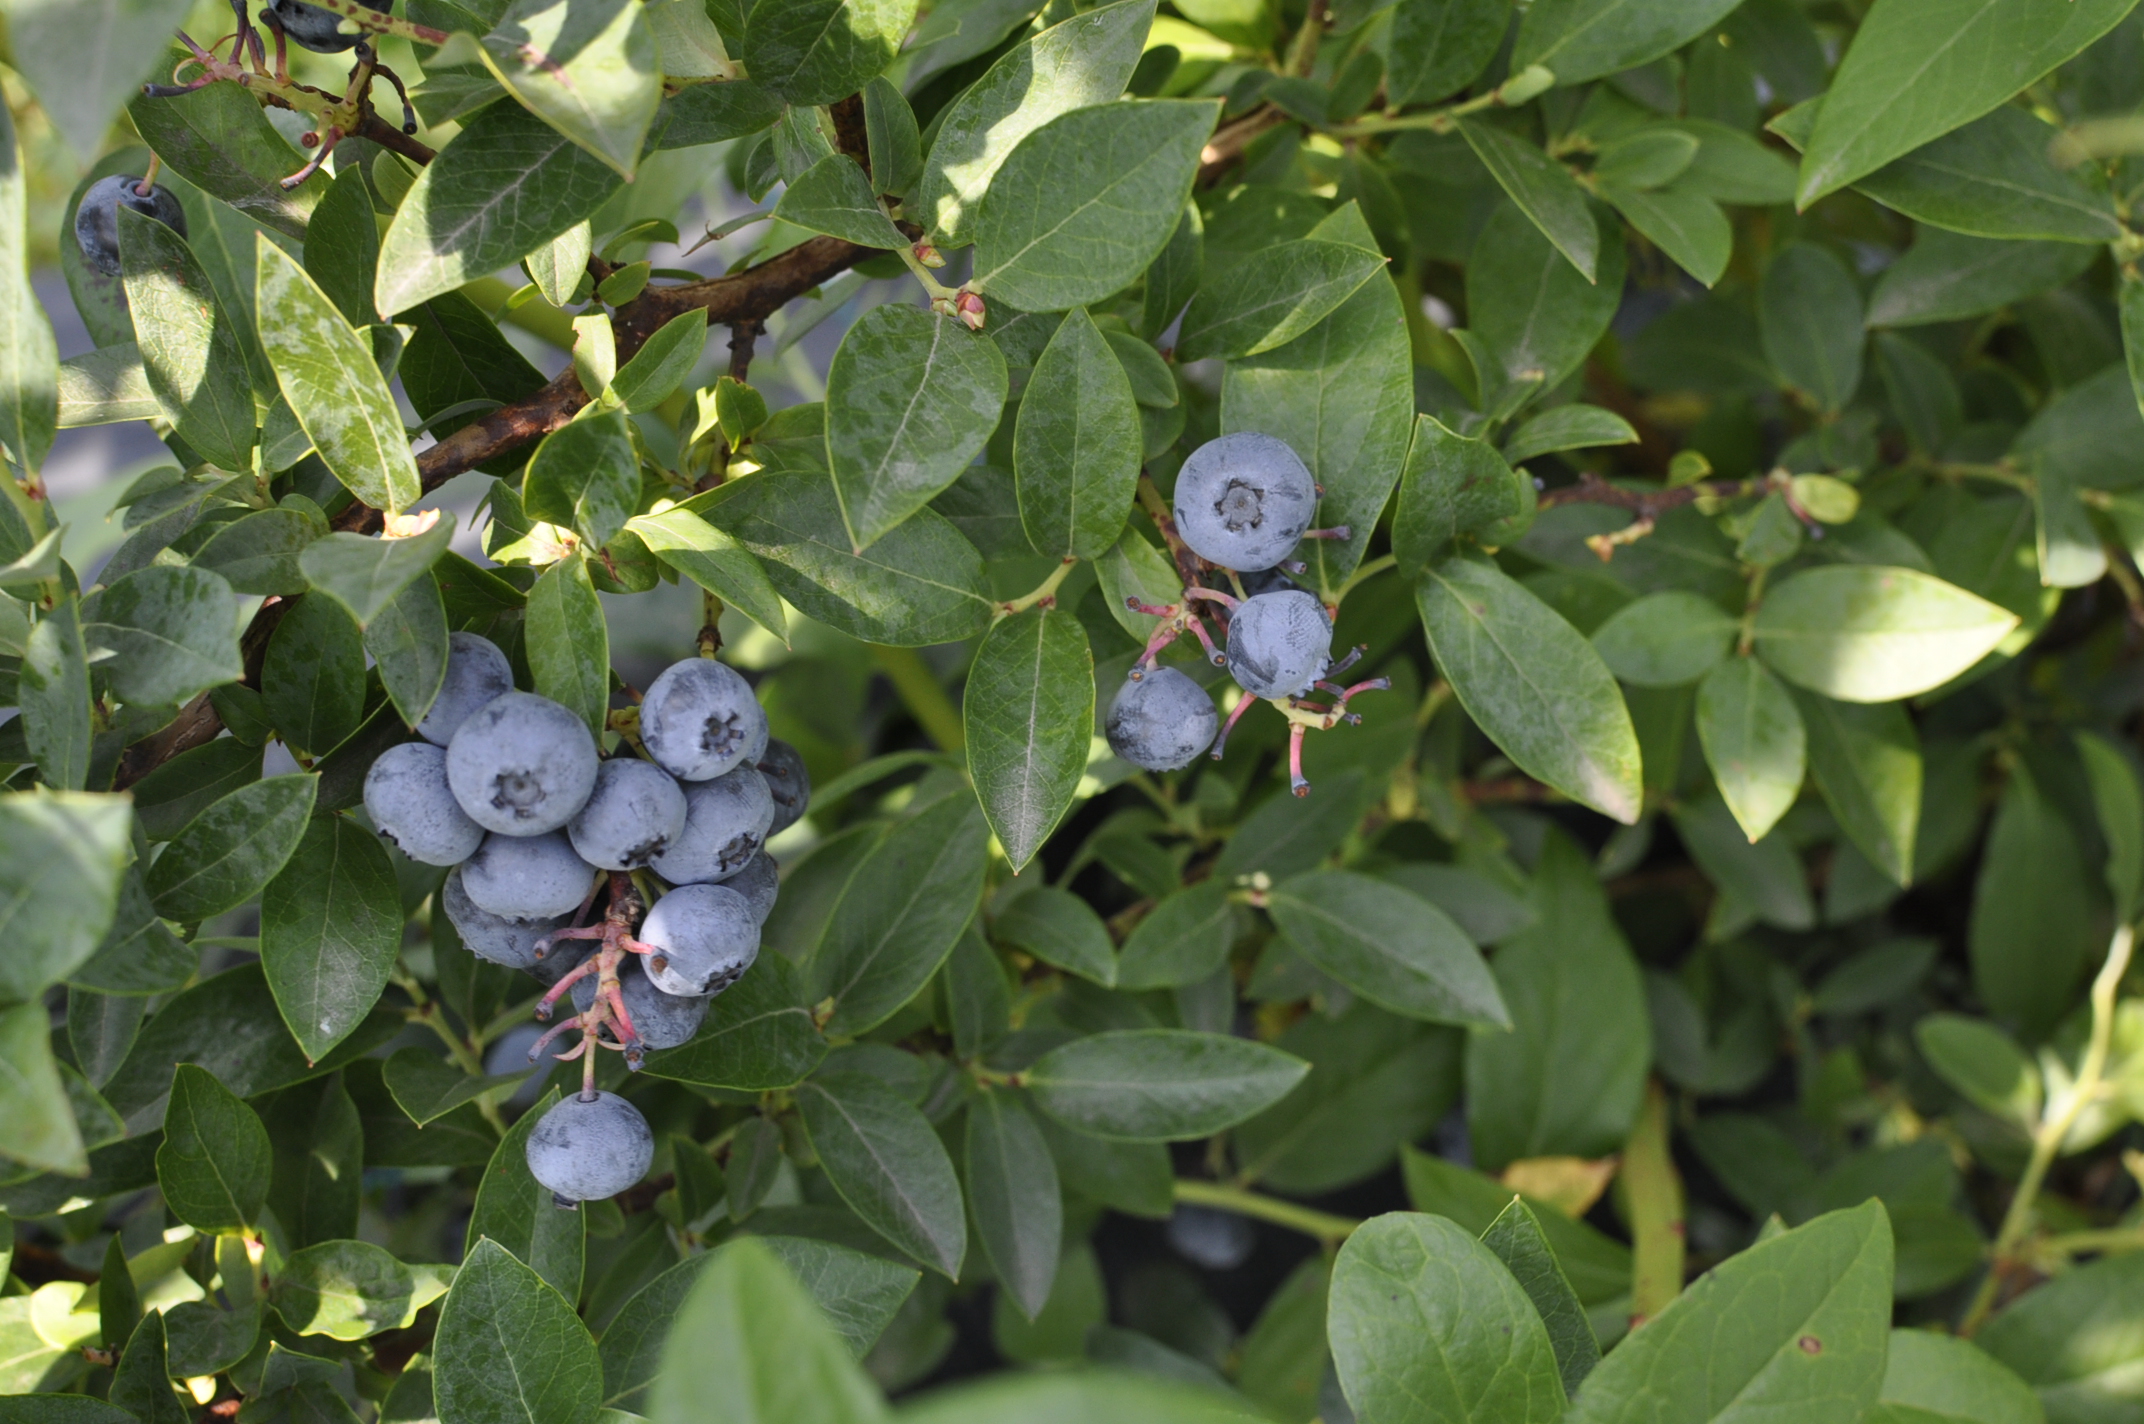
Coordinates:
[1418,710]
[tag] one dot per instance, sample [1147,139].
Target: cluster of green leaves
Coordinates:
[1734,408]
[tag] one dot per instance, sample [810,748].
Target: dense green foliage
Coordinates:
[1726,421]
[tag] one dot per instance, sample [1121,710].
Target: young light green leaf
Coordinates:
[1664,639]
[1393,948]
[1532,683]
[1088,200]
[1544,190]
[1081,61]
[1423,1317]
[172,631]
[1796,1325]
[105,387]
[883,1158]
[568,642]
[507,185]
[834,197]
[42,1133]
[230,852]
[714,561]
[588,68]
[1059,928]
[1931,1377]
[910,398]
[66,848]
[1160,1085]
[331,926]
[662,363]
[1867,763]
[1012,1188]
[328,375]
[1516,1239]
[816,51]
[510,1349]
[347,1290]
[585,477]
[1754,742]
[2055,1338]
[1919,68]
[1273,296]
[1810,313]
[514,1212]
[1076,444]
[1862,633]
[1028,712]
[365,574]
[215,1161]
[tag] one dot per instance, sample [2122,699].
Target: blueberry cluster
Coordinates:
[1243,503]
[511,791]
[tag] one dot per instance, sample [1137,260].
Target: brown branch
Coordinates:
[851,135]
[377,130]
[1648,505]
[1228,142]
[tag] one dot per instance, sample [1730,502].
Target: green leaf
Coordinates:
[1946,276]
[1438,46]
[1395,949]
[1339,395]
[585,477]
[895,923]
[1862,633]
[1867,763]
[1088,200]
[1273,296]
[2031,932]
[230,852]
[714,561]
[83,61]
[1919,68]
[29,358]
[1992,178]
[408,643]
[1538,316]
[1081,61]
[1057,927]
[217,139]
[172,632]
[1763,876]
[663,362]
[42,1133]
[1585,39]
[1544,190]
[342,248]
[2056,1338]
[105,387]
[1516,1239]
[1452,487]
[1983,1063]
[259,552]
[142,1383]
[2116,797]
[588,68]
[1810,313]
[1689,227]
[1568,1077]
[1424,1318]
[1183,939]
[758,1035]
[921,584]
[1754,742]
[52,690]
[1532,683]
[215,1161]
[515,1212]
[1737,1341]
[510,1349]
[1931,1377]
[327,374]
[138,955]
[1664,639]
[1076,444]
[817,51]
[883,1158]
[507,185]
[313,679]
[910,399]
[1118,1395]
[1012,1189]
[1028,712]
[428,1087]
[331,926]
[1160,1085]
[568,642]
[834,196]
[367,574]
[347,1290]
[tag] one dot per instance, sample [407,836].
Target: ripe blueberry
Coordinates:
[96,221]
[476,673]
[310,27]
[726,823]
[406,795]
[704,938]
[1161,722]
[788,782]
[522,765]
[633,815]
[502,939]
[699,719]
[1243,501]
[590,1149]
[759,882]
[526,877]
[662,1020]
[1279,643]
